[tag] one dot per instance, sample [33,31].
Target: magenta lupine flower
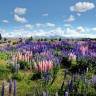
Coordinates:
[84,49]
[2,92]
[14,94]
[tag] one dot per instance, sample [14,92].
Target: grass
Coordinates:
[27,86]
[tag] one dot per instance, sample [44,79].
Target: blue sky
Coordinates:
[67,18]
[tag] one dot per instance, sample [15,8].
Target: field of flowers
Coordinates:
[49,68]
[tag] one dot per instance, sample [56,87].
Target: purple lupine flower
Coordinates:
[16,68]
[2,92]
[14,94]
[74,77]
[10,87]
[45,93]
[70,85]
[93,79]
[66,93]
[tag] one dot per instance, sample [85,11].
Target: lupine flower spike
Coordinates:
[2,92]
[14,88]
[10,87]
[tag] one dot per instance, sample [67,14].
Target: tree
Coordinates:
[0,36]
[5,39]
[31,38]
[60,39]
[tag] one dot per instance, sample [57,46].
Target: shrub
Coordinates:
[18,76]
[4,72]
[65,63]
[23,64]
[36,76]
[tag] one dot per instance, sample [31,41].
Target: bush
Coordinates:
[4,72]
[12,68]
[65,63]
[4,56]
[17,76]
[36,76]
[23,64]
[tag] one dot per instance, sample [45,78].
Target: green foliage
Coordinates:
[36,76]
[54,73]
[79,66]
[24,64]
[31,82]
[31,38]
[89,75]
[4,72]
[65,63]
[14,43]
[68,47]
[11,67]
[4,55]
[18,76]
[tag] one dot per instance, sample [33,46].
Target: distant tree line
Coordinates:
[0,36]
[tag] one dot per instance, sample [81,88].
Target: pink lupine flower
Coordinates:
[27,56]
[84,49]
[43,66]
[72,56]
[35,65]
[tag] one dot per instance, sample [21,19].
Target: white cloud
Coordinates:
[50,24]
[56,31]
[82,6]
[28,26]
[45,14]
[38,24]
[78,14]
[20,19]
[71,31]
[59,31]
[75,32]
[93,29]
[80,29]
[4,33]
[67,25]
[20,11]
[2,30]
[80,36]
[20,32]
[45,25]
[70,19]
[5,21]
